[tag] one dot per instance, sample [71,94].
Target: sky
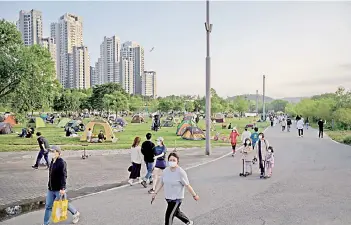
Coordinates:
[303,48]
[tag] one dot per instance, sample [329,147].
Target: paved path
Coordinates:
[310,185]
[19,183]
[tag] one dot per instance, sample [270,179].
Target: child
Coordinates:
[233,135]
[270,160]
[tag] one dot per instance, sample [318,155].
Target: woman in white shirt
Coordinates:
[136,159]
[174,180]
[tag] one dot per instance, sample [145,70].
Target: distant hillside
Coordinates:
[267,98]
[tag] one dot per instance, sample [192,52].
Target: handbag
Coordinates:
[59,210]
[130,168]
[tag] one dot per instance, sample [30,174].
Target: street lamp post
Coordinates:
[208,28]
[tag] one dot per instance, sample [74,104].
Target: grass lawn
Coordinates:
[56,136]
[340,135]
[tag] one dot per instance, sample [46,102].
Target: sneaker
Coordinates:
[130,181]
[144,184]
[35,167]
[151,191]
[76,217]
[191,222]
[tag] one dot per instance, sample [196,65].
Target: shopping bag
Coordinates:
[59,210]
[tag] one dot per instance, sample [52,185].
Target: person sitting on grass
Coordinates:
[101,137]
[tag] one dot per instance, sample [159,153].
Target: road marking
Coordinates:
[188,168]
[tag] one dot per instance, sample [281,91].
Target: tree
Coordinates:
[241,105]
[13,61]
[99,92]
[189,106]
[117,101]
[277,105]
[178,105]
[36,89]
[165,105]
[135,103]
[69,101]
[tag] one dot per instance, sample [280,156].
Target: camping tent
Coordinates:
[10,119]
[230,115]
[122,122]
[188,116]
[63,122]
[194,134]
[167,123]
[5,128]
[137,119]
[36,122]
[109,135]
[219,118]
[182,127]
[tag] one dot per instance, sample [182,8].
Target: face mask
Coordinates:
[260,137]
[247,142]
[172,164]
[158,143]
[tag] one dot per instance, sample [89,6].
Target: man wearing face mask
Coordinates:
[261,149]
[160,151]
[57,186]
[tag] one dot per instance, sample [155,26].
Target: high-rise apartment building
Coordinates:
[134,52]
[30,24]
[49,44]
[148,84]
[110,55]
[67,33]
[79,68]
[127,78]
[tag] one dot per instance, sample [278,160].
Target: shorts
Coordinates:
[233,146]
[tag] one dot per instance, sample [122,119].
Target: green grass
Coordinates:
[342,136]
[56,136]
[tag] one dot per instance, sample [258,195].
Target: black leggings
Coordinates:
[300,132]
[320,133]
[173,210]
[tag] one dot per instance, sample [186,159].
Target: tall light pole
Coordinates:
[208,28]
[263,98]
[257,102]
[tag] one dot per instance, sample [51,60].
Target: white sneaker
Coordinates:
[76,217]
[191,223]
[130,181]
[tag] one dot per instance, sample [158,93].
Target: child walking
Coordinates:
[232,138]
[270,160]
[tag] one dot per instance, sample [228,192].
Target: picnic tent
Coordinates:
[5,128]
[10,119]
[189,116]
[167,123]
[194,134]
[36,122]
[108,132]
[63,122]
[122,122]
[137,119]
[230,115]
[44,116]
[183,125]
[219,118]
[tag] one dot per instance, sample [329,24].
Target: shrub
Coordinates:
[347,140]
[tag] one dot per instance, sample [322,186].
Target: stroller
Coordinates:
[247,165]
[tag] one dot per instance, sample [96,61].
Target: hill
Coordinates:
[267,98]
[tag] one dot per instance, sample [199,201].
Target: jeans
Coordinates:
[40,155]
[50,198]
[149,167]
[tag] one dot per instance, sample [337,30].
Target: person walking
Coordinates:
[320,128]
[136,158]
[261,149]
[254,137]
[147,149]
[307,122]
[174,180]
[246,135]
[57,187]
[283,124]
[160,151]
[233,135]
[43,152]
[300,126]
[288,124]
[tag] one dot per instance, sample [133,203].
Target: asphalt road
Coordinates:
[310,185]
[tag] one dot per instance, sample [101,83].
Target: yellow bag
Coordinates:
[59,210]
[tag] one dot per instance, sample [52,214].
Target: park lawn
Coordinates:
[340,135]
[56,136]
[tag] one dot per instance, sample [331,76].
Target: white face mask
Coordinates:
[158,143]
[260,137]
[172,164]
[247,142]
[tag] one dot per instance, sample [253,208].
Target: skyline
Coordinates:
[302,48]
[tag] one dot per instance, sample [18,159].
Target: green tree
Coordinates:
[165,105]
[178,105]
[277,105]
[135,103]
[68,101]
[13,58]
[241,105]
[99,92]
[189,106]
[117,101]
[343,117]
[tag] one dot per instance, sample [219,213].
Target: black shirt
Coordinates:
[320,124]
[147,148]
[42,141]
[57,175]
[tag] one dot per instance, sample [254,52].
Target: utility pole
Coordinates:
[208,28]
[257,102]
[263,98]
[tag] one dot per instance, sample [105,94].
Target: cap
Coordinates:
[160,139]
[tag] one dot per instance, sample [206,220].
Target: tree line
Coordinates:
[28,84]
[335,108]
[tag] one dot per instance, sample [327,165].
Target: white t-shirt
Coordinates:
[89,134]
[135,155]
[174,183]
